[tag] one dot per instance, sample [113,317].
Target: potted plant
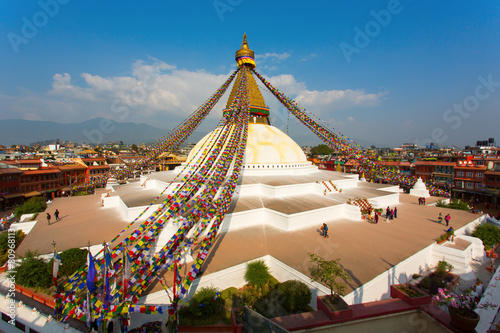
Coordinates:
[461,308]
[331,273]
[409,293]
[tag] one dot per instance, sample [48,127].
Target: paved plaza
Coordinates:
[366,249]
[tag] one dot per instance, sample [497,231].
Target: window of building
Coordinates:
[460,173]
[469,185]
[480,174]
[479,186]
[460,184]
[470,174]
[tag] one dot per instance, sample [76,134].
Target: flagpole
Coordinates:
[88,291]
[55,268]
[105,288]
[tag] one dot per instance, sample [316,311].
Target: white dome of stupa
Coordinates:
[267,147]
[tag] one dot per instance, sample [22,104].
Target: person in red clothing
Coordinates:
[447,218]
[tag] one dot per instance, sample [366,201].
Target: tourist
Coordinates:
[440,218]
[325,230]
[419,201]
[48,218]
[56,214]
[376,218]
[423,201]
[387,212]
[447,218]
[395,212]
[391,214]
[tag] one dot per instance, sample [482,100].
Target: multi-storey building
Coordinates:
[469,180]
[44,181]
[444,174]
[10,193]
[492,190]
[424,170]
[96,166]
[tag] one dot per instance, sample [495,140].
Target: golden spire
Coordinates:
[258,109]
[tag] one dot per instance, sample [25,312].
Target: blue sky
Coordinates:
[382,72]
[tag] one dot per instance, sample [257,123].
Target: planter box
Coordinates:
[415,301]
[332,314]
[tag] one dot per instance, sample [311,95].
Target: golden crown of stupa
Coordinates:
[258,108]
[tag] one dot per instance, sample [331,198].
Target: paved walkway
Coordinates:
[82,220]
[366,250]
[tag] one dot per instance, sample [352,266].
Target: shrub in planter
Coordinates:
[425,283]
[204,308]
[206,296]
[257,273]
[295,296]
[270,305]
[442,268]
[489,234]
[33,272]
[228,293]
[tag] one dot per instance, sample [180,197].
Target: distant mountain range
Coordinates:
[94,131]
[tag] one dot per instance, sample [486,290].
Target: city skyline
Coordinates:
[381,73]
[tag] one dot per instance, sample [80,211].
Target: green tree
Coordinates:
[33,272]
[330,272]
[321,150]
[4,244]
[72,260]
[134,147]
[33,205]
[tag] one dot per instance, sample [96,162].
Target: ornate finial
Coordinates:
[244,44]
[245,56]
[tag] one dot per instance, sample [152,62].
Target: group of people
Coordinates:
[447,219]
[421,201]
[390,214]
[56,215]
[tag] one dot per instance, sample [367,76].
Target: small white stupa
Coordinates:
[419,189]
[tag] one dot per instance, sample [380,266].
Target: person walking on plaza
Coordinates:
[48,218]
[376,218]
[56,214]
[387,212]
[325,230]
[395,212]
[447,219]
[391,214]
[423,201]
[440,218]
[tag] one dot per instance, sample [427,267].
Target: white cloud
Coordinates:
[309,57]
[350,118]
[162,95]
[273,56]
